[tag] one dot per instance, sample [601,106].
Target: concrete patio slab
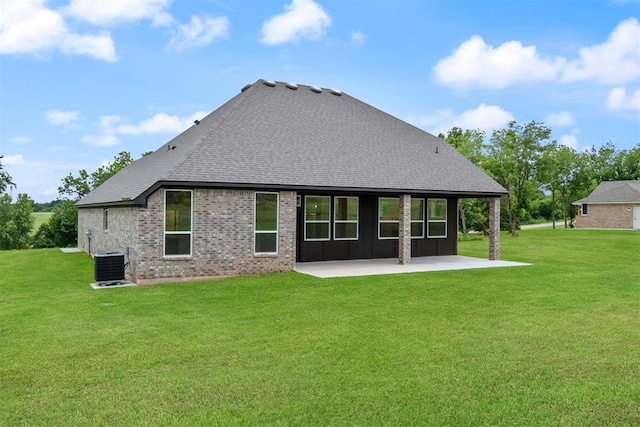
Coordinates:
[370,267]
[70,250]
[120,284]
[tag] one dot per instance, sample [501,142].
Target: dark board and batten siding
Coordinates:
[368,245]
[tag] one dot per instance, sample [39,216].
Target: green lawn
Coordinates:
[41,218]
[556,343]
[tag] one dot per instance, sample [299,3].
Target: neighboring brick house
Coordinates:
[279,174]
[613,204]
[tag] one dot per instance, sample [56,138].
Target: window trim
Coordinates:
[346,221]
[445,220]
[328,221]
[387,221]
[277,230]
[105,220]
[164,226]
[424,215]
[583,211]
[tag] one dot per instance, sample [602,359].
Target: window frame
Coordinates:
[255,218]
[387,221]
[445,220]
[105,220]
[328,221]
[584,209]
[423,220]
[345,221]
[164,226]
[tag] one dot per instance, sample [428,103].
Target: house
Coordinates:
[613,204]
[284,173]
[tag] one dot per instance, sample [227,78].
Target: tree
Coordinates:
[105,172]
[61,230]
[469,142]
[76,187]
[63,224]
[5,179]
[16,222]
[609,164]
[562,170]
[512,159]
[627,164]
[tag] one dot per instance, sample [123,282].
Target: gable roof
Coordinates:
[297,137]
[611,192]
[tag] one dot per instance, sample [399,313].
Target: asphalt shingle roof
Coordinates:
[613,192]
[281,137]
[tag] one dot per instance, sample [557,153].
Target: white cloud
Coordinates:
[160,123]
[53,191]
[17,159]
[357,38]
[476,64]
[569,141]
[103,140]
[28,27]
[111,126]
[102,12]
[301,19]
[561,119]
[61,118]
[21,139]
[100,46]
[618,100]
[616,61]
[199,32]
[486,118]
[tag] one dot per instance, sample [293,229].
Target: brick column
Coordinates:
[494,228]
[404,241]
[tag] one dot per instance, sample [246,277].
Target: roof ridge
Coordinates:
[634,188]
[232,104]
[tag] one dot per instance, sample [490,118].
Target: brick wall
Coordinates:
[222,233]
[606,216]
[121,234]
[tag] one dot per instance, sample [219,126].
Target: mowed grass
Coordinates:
[40,218]
[555,343]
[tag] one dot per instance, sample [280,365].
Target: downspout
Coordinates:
[88,233]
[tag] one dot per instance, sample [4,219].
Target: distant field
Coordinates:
[41,218]
[551,344]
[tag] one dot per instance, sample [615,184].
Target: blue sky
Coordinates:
[82,80]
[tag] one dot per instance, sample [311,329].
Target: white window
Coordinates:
[266,223]
[345,218]
[317,218]
[437,218]
[417,218]
[583,211]
[178,210]
[388,218]
[105,219]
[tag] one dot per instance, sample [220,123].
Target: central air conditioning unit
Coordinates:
[109,267]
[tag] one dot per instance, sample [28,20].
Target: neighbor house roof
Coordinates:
[274,135]
[611,192]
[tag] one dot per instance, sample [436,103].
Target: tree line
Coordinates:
[17,221]
[542,178]
[532,168]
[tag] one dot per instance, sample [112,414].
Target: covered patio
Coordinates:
[370,267]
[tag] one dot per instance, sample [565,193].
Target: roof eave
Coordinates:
[141,200]
[583,201]
[121,203]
